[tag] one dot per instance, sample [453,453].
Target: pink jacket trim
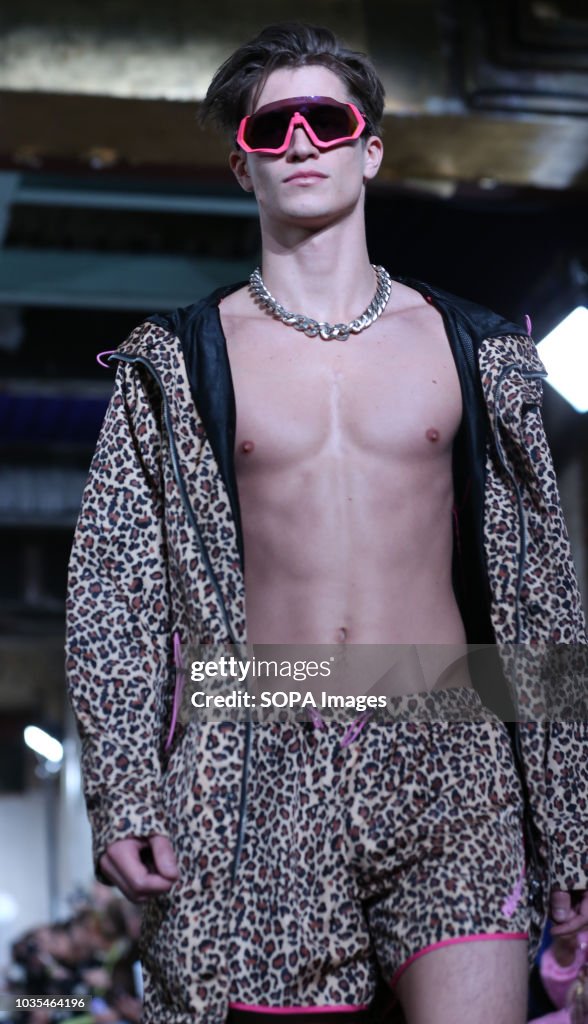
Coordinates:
[100,361]
[452,942]
[254,1008]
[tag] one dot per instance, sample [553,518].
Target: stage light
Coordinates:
[43,744]
[565,354]
[8,908]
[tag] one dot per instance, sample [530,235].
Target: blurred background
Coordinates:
[115,204]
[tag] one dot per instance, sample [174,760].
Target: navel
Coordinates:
[432,434]
[247,447]
[341,635]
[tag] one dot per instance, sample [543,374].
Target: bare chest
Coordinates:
[390,391]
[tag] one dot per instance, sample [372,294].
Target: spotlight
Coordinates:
[565,354]
[8,907]
[43,744]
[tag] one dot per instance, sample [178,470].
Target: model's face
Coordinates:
[306,185]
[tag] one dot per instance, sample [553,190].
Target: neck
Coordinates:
[323,272]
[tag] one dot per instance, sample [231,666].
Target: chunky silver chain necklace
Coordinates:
[312,328]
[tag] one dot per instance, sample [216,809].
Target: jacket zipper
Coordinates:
[533,880]
[527,375]
[193,522]
[178,689]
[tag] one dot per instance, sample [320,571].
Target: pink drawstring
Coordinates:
[107,352]
[511,902]
[178,687]
[354,729]
[351,733]
[528,324]
[316,719]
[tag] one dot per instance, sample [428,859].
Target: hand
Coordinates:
[564,949]
[141,868]
[568,919]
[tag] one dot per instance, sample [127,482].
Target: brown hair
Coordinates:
[290,44]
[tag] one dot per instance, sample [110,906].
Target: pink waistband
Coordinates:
[254,1008]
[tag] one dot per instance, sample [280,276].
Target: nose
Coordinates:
[301,145]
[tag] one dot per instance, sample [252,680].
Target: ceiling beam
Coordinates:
[96,280]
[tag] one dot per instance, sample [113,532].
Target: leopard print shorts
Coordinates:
[361,855]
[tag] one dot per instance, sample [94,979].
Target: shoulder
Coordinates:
[237,303]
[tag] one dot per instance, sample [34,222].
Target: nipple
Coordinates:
[432,434]
[247,447]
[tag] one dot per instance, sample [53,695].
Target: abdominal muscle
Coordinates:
[334,558]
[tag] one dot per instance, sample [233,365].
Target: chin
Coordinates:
[314,214]
[307,211]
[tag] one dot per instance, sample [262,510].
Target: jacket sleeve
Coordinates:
[566,680]
[539,609]
[117,647]
[554,734]
[561,663]
[567,792]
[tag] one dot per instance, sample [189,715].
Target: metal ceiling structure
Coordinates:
[476,90]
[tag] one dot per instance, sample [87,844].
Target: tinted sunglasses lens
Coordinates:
[268,131]
[330,123]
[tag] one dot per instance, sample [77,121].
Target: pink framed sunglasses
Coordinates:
[327,123]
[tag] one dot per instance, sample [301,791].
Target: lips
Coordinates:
[305,176]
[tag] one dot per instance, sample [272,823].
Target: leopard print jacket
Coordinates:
[157,555]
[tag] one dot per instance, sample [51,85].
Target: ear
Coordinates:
[373,154]
[238,165]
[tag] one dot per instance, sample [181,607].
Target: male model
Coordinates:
[362,460]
